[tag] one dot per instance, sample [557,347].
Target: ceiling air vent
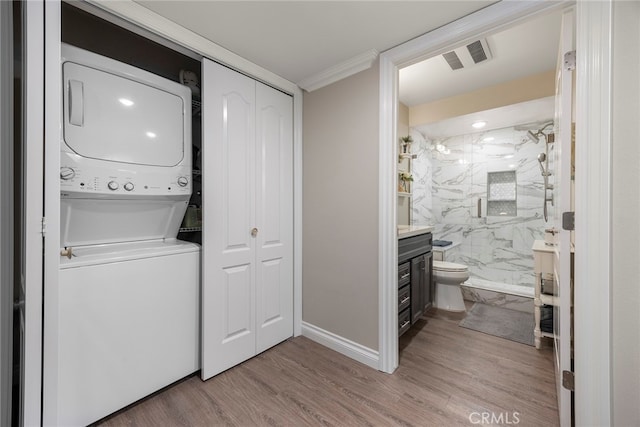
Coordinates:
[468,55]
[453,60]
[477,52]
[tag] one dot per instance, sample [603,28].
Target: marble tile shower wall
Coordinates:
[446,189]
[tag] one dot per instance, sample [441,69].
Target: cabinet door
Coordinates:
[417,279]
[427,282]
[228,206]
[274,216]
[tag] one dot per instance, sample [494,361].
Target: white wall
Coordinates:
[626,215]
[340,208]
[512,92]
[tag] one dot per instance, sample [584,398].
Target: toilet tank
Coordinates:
[449,253]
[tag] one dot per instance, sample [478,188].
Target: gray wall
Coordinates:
[340,208]
[626,215]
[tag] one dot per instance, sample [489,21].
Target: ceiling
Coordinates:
[526,49]
[300,39]
[533,113]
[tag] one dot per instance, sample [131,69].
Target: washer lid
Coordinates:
[448,266]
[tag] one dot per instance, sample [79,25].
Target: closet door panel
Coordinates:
[274,216]
[228,252]
[237,168]
[237,291]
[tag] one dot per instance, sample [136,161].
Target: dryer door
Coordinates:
[111,117]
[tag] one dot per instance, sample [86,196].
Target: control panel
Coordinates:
[81,175]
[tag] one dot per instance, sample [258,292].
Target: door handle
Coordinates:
[76,103]
[67,251]
[254,232]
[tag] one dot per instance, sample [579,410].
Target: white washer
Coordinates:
[129,324]
[128,296]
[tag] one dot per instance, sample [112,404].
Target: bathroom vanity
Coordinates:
[415,278]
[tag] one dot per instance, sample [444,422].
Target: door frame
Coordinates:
[592,260]
[6,210]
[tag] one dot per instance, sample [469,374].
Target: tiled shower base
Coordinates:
[515,297]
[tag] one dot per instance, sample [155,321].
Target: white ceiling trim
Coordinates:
[358,63]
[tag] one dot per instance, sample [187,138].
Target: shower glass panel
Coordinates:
[465,170]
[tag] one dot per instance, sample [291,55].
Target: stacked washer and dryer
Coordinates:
[128,298]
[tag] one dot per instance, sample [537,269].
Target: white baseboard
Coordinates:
[342,345]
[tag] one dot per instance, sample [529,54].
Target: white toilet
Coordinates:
[448,276]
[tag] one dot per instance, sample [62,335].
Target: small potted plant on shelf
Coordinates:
[405,178]
[406,144]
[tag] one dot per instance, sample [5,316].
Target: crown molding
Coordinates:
[340,71]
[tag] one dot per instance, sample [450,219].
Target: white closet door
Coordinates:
[274,216]
[228,256]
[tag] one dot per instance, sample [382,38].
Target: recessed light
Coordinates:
[512,166]
[508,156]
[151,135]
[126,102]
[479,124]
[488,139]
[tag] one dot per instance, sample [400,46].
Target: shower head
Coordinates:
[533,136]
[542,157]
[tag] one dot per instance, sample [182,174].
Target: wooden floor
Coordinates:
[448,376]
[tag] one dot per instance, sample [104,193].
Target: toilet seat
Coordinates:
[448,266]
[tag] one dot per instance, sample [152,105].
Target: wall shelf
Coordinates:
[403,156]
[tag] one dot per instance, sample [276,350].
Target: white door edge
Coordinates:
[592,290]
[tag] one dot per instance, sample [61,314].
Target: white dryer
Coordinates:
[128,301]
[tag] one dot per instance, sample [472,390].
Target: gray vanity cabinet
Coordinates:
[415,285]
[421,284]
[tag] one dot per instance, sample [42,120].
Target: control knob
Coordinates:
[128,186]
[67,173]
[183,181]
[112,185]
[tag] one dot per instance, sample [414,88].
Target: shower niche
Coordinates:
[501,193]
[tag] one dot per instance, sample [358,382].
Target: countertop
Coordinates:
[405,231]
